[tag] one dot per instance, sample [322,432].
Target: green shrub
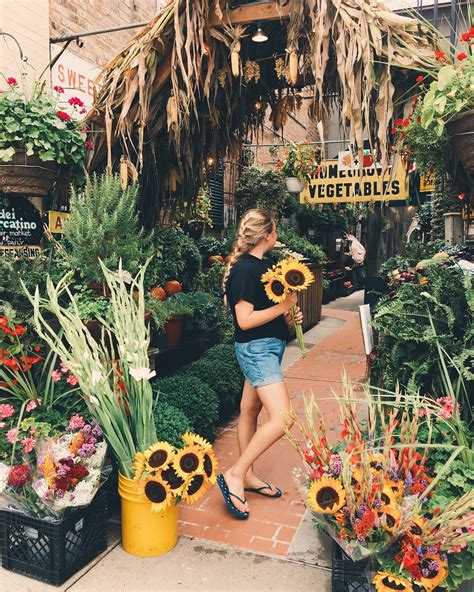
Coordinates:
[191,258]
[206,315]
[171,423]
[300,244]
[193,397]
[225,379]
[168,262]
[210,245]
[223,352]
[261,188]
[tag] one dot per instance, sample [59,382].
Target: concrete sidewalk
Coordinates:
[276,549]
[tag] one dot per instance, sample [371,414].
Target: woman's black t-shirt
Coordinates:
[244,283]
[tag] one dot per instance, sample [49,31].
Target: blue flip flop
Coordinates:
[227,495]
[259,491]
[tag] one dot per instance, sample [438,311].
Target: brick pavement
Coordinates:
[273,524]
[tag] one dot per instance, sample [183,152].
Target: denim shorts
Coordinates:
[260,360]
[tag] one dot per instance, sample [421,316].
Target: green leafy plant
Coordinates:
[209,246]
[194,398]
[171,423]
[104,225]
[36,125]
[88,305]
[205,316]
[191,258]
[261,188]
[300,160]
[289,237]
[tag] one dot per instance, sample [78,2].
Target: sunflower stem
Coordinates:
[299,331]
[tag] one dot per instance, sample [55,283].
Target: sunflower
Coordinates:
[395,486]
[356,479]
[191,439]
[158,492]
[210,466]
[388,497]
[138,465]
[173,480]
[386,582]
[296,275]
[376,462]
[159,456]
[392,517]
[416,526]
[195,488]
[188,461]
[275,289]
[326,495]
[436,576]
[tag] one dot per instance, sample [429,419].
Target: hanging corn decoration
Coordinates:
[123,172]
[235,58]
[173,180]
[172,112]
[293,65]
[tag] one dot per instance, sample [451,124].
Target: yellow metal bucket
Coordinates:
[145,533]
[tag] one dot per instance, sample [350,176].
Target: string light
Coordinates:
[210,160]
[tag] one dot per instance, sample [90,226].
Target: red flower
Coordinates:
[419,79]
[393,131]
[390,149]
[58,89]
[62,483]
[12,81]
[439,55]
[406,122]
[63,115]
[399,122]
[76,101]
[37,348]
[418,120]
[19,476]
[89,145]
[462,56]
[82,111]
[79,472]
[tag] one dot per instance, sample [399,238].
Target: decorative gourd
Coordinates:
[158,292]
[172,287]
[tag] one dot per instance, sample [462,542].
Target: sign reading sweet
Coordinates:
[332,185]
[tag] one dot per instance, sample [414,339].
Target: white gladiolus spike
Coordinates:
[142,373]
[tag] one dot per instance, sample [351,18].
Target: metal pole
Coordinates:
[454,26]
[435,13]
[97,32]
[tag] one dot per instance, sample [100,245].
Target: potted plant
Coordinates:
[175,311]
[448,106]
[299,164]
[36,138]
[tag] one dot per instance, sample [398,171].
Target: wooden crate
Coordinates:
[310,300]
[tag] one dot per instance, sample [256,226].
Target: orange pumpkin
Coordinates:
[172,287]
[136,294]
[158,292]
[214,258]
[227,259]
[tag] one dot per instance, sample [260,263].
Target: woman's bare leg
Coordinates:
[276,401]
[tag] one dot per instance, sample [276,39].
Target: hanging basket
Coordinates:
[461,132]
[27,175]
[294,185]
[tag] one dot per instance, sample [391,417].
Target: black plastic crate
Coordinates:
[53,551]
[348,575]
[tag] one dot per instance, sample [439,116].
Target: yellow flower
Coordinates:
[48,468]
[296,275]
[416,526]
[326,495]
[386,582]
[392,517]
[377,462]
[158,456]
[174,481]
[188,462]
[194,440]
[158,493]
[436,577]
[388,497]
[138,466]
[275,290]
[210,466]
[195,488]
[395,486]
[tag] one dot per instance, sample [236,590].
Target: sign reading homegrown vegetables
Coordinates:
[332,185]
[21,228]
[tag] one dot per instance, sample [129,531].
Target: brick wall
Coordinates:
[74,16]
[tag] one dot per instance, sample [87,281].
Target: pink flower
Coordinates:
[31,405]
[72,380]
[58,89]
[12,81]
[76,423]
[447,407]
[63,367]
[82,111]
[76,101]
[12,435]
[56,375]
[63,115]
[28,444]
[6,410]
[2,424]
[470,521]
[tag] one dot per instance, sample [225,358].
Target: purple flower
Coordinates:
[431,550]
[433,566]
[86,450]
[377,504]
[425,572]
[96,431]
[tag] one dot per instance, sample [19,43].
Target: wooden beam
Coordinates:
[263,11]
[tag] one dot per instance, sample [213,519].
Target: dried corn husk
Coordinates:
[171,112]
[123,173]
[235,58]
[293,67]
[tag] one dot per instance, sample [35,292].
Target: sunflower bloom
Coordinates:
[387,582]
[275,289]
[377,462]
[158,456]
[436,575]
[173,480]
[392,517]
[326,496]
[195,489]
[395,486]
[139,464]
[158,493]
[188,461]
[210,466]
[388,497]
[191,439]
[296,275]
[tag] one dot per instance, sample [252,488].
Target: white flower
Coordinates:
[96,377]
[94,400]
[125,276]
[4,470]
[142,373]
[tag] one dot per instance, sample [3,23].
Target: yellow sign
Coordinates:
[331,185]
[56,221]
[20,252]
[427,181]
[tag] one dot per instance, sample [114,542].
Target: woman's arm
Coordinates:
[248,318]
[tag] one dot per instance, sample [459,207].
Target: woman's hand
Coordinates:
[298,317]
[290,300]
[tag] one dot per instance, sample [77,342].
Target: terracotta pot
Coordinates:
[174,331]
[27,175]
[294,185]
[98,289]
[461,132]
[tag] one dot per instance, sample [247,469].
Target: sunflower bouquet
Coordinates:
[166,475]
[286,276]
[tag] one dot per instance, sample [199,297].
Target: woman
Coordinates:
[261,329]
